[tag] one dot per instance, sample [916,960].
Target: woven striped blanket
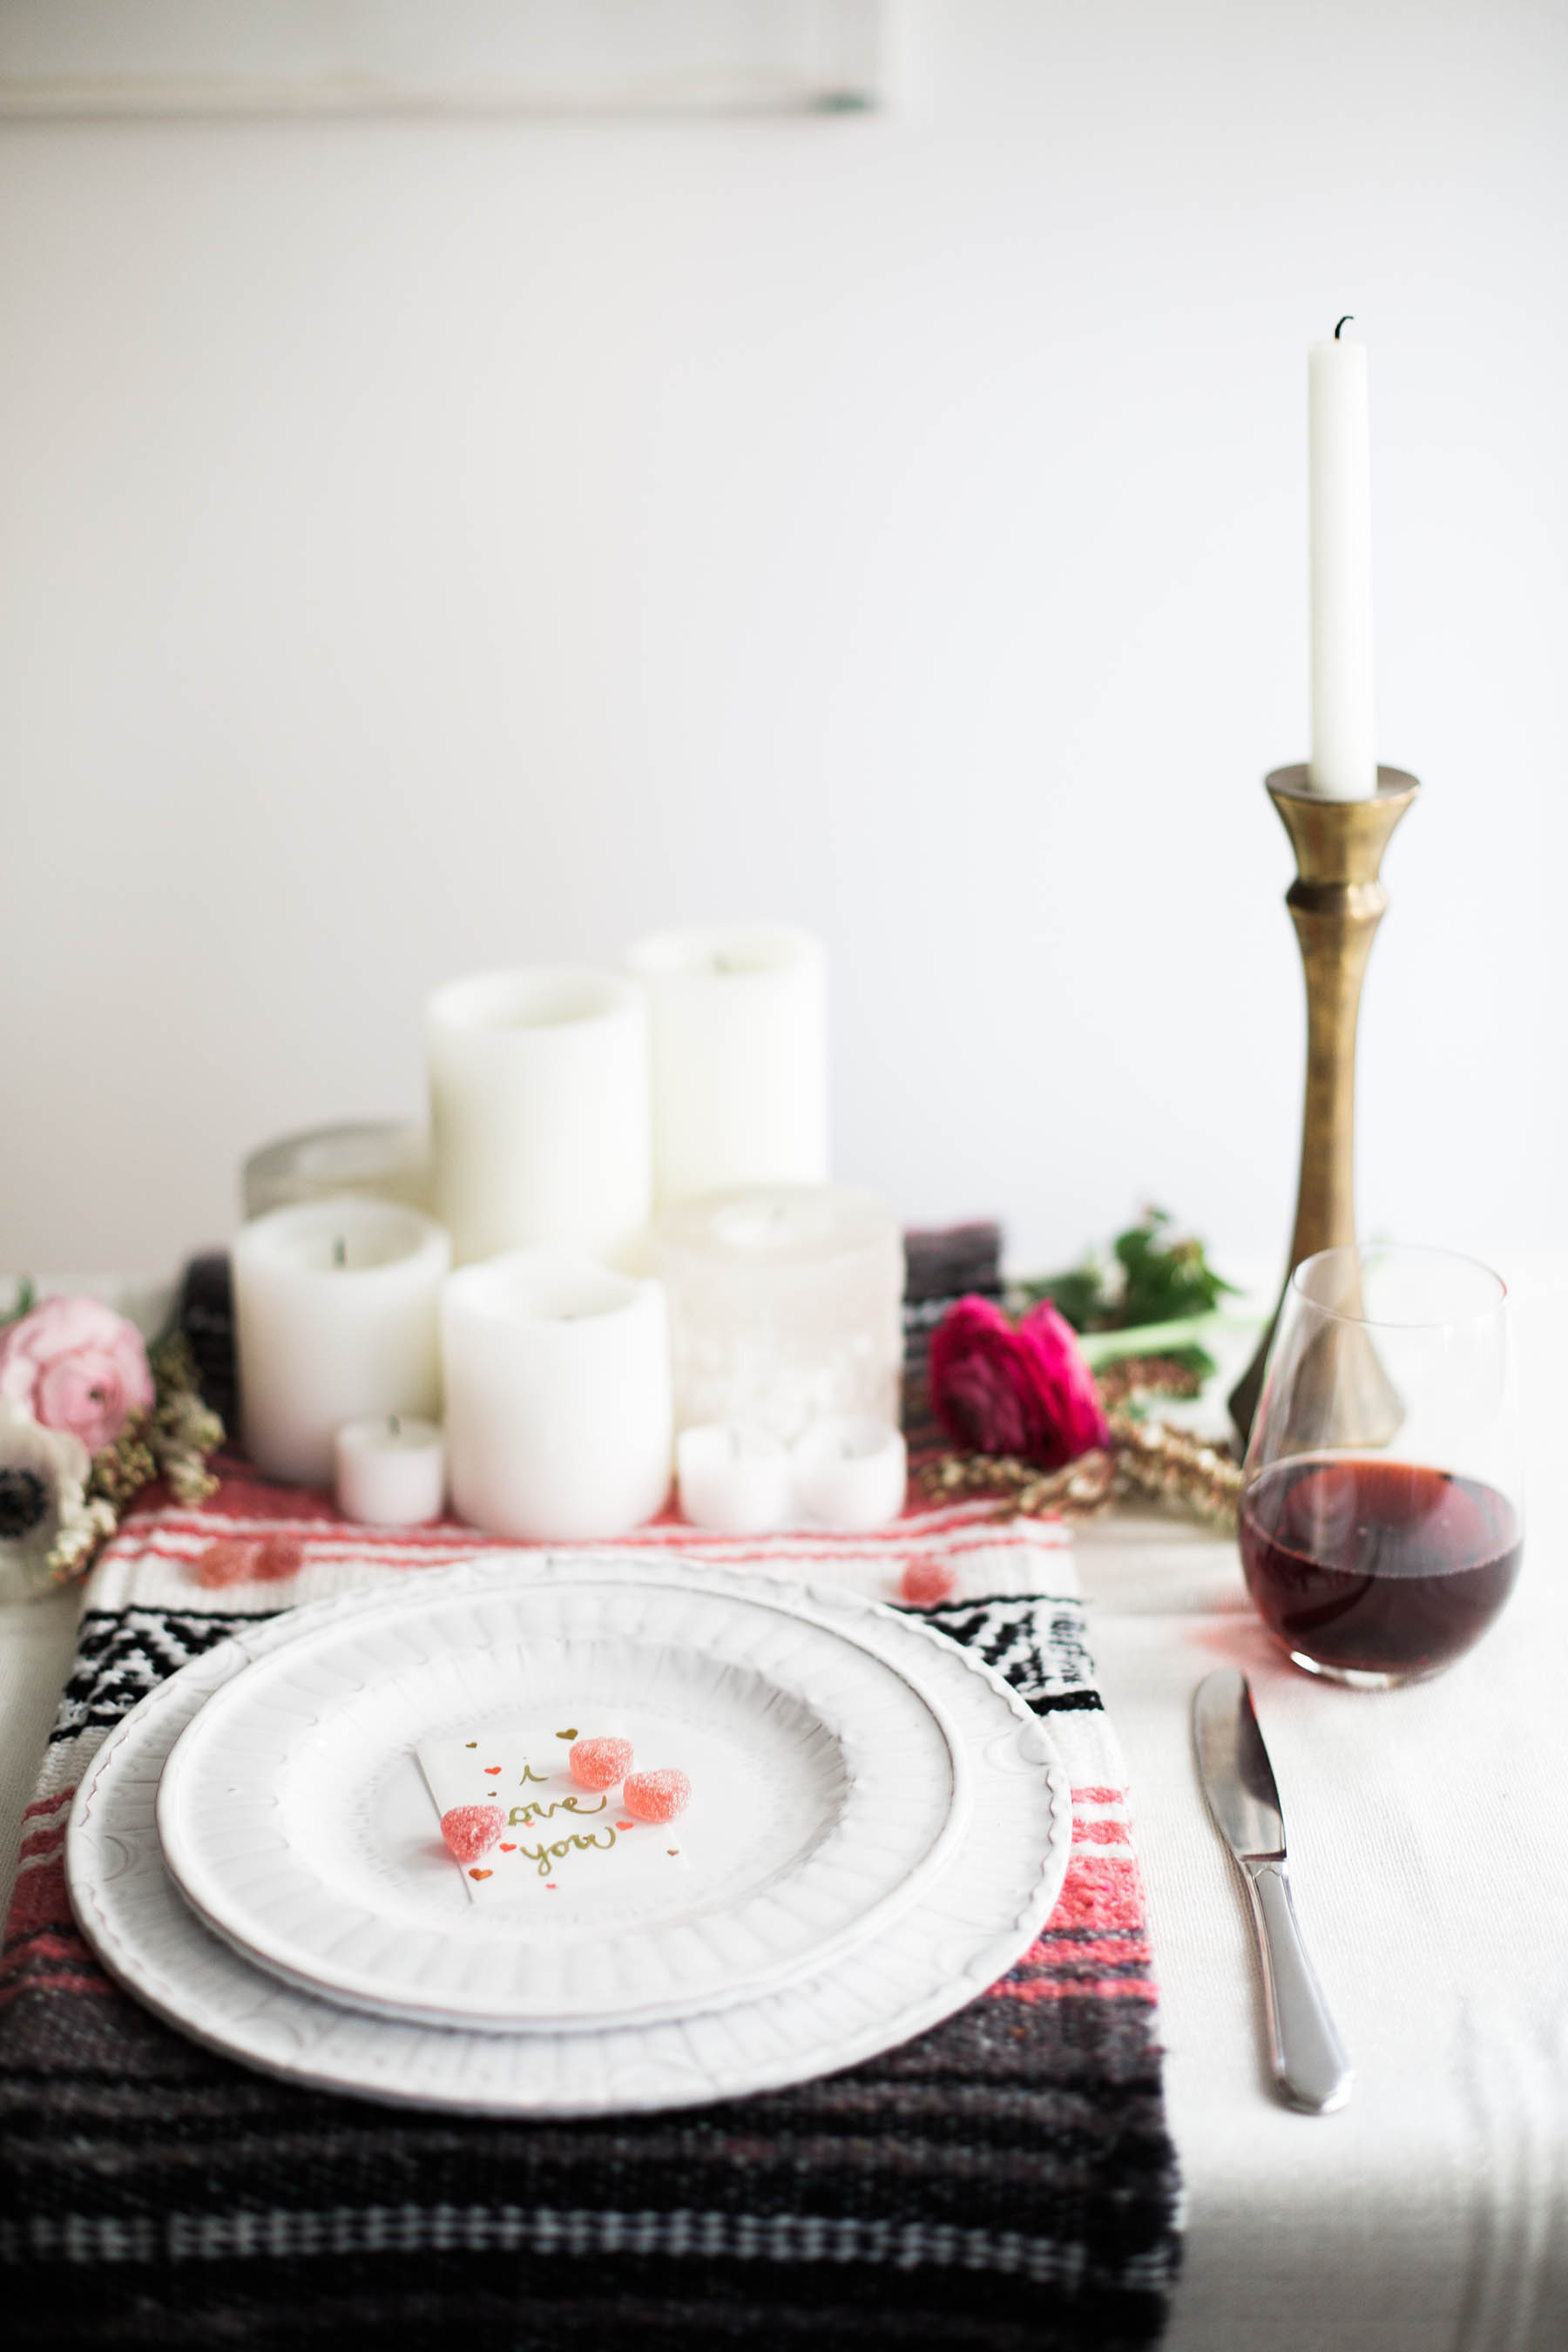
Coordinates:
[1005,2181]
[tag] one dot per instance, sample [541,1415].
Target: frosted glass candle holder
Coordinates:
[381,1159]
[786,1305]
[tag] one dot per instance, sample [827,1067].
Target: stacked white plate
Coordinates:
[877,1829]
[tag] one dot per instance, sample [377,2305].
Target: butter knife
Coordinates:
[1309,2061]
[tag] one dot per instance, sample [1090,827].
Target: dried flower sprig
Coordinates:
[1073,1492]
[1174,1467]
[184,1430]
[1147,1458]
[73,1547]
[1180,1373]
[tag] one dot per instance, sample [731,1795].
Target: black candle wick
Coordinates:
[1343,322]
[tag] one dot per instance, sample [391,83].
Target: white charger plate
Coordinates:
[970,1924]
[828,1789]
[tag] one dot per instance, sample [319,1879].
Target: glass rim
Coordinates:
[1363,1250]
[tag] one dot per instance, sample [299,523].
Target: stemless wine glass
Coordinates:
[1381,1509]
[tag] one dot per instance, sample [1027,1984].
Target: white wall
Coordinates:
[427,545]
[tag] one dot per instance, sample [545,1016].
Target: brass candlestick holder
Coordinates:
[1336,903]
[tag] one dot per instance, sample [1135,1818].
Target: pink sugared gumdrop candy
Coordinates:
[600,1763]
[657,1796]
[927,1581]
[471,1830]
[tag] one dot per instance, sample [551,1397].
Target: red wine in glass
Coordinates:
[1365,1566]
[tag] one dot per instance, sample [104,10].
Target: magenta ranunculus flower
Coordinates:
[76,1365]
[1022,1389]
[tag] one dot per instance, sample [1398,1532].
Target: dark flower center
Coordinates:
[24,1499]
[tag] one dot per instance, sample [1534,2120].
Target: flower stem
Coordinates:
[1159,1338]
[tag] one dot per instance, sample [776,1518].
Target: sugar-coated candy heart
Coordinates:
[279,1557]
[600,1763]
[926,1581]
[471,1830]
[657,1796]
[235,1559]
[230,1560]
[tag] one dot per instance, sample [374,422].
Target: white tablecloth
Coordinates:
[1429,1841]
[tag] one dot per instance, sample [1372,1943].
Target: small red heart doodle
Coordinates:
[507,1849]
[626,1825]
[550,1886]
[492,1769]
[482,1874]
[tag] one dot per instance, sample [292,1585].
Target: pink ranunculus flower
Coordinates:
[1023,1388]
[74,1364]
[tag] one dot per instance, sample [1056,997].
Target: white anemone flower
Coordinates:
[43,1473]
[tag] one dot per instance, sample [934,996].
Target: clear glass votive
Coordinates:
[385,1159]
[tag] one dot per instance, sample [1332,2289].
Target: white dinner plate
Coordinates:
[968,1925]
[828,1788]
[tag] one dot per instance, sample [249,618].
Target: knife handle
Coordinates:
[1308,2057]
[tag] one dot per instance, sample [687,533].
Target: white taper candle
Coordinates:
[1345,749]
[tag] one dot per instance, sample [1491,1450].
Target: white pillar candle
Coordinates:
[784,1305]
[850,1473]
[738,1017]
[390,1471]
[539,1099]
[381,1159]
[558,1398]
[335,1316]
[1344,751]
[733,1480]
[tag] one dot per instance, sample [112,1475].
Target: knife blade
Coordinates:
[1306,2057]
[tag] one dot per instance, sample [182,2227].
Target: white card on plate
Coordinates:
[559,1838]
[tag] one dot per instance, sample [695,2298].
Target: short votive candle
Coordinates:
[391,1470]
[733,1480]
[851,1472]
